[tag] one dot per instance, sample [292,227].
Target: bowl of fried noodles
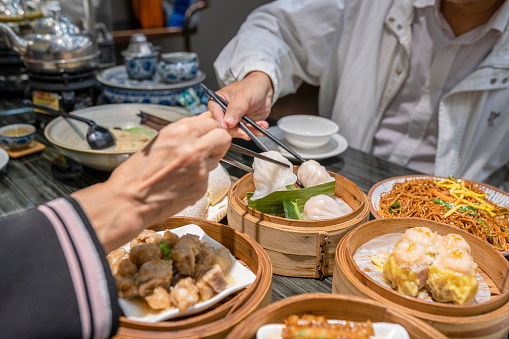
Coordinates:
[69,136]
[477,208]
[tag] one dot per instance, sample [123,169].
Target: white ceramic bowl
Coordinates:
[307,131]
[69,136]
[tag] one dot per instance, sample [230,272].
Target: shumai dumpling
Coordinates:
[452,277]
[406,268]
[423,236]
[452,241]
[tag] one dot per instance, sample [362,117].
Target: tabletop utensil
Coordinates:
[158,123]
[221,102]
[98,137]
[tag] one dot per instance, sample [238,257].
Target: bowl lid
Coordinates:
[117,77]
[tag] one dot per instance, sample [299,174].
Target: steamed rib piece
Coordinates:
[184,254]
[215,278]
[269,177]
[311,173]
[152,274]
[142,253]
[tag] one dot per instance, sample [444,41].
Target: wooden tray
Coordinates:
[484,320]
[332,306]
[218,320]
[32,148]
[297,248]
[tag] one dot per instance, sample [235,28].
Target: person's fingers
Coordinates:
[193,126]
[235,111]
[217,113]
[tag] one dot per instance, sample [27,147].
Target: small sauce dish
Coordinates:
[17,136]
[307,131]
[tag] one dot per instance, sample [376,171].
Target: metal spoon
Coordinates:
[98,137]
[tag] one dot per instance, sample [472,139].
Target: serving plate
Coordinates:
[4,158]
[335,146]
[497,196]
[238,277]
[381,330]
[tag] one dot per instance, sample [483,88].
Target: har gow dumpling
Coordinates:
[311,173]
[321,207]
[269,177]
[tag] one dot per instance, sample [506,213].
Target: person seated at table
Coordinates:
[56,282]
[424,84]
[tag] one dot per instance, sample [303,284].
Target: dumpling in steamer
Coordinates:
[269,177]
[452,241]
[219,184]
[311,173]
[198,210]
[423,236]
[321,207]
[452,277]
[406,268]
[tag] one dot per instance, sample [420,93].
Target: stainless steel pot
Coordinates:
[55,44]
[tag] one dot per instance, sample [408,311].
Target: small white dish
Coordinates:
[4,158]
[238,278]
[307,131]
[381,330]
[336,145]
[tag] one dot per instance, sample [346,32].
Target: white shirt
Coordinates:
[359,53]
[408,132]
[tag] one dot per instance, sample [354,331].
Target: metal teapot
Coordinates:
[54,45]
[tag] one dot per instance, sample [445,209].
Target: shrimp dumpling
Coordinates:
[452,277]
[321,207]
[269,177]
[311,173]
[406,268]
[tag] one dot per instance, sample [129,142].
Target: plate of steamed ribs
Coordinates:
[168,274]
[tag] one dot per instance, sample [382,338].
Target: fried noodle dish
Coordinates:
[314,327]
[452,201]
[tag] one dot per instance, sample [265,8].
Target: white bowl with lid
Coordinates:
[307,131]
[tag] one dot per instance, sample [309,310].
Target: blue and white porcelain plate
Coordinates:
[117,77]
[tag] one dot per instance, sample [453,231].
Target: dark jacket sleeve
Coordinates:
[55,281]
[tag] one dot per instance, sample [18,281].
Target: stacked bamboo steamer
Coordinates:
[297,248]
[483,320]
[218,320]
[332,306]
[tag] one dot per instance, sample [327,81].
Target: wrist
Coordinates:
[115,217]
[264,79]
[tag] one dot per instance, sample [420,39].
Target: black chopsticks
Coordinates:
[221,102]
[158,123]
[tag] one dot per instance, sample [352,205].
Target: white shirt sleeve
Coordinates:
[289,40]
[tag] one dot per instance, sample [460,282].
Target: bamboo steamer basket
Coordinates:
[332,306]
[297,248]
[485,320]
[218,320]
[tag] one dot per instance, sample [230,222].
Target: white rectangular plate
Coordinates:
[238,277]
[381,330]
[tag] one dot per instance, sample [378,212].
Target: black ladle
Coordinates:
[98,137]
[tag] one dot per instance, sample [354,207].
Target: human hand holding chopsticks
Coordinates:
[251,96]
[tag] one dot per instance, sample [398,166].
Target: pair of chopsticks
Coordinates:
[221,102]
[158,123]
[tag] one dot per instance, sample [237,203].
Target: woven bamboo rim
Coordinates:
[332,306]
[218,320]
[309,246]
[489,318]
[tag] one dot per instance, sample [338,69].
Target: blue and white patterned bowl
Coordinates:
[178,66]
[119,88]
[17,136]
[141,67]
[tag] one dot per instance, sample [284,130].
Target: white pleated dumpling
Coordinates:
[311,173]
[269,177]
[321,207]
